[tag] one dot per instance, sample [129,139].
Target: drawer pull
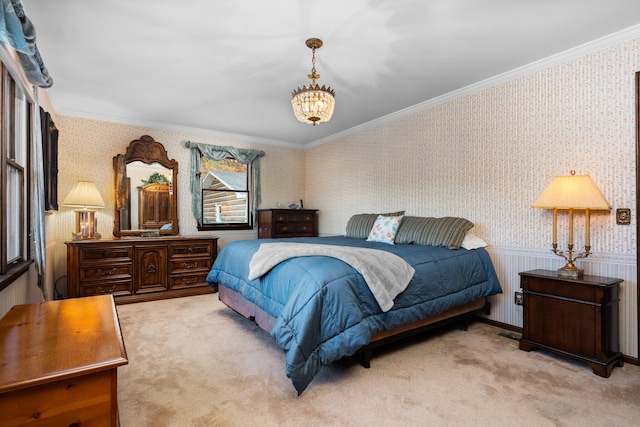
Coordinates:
[190,281]
[151,268]
[109,290]
[107,254]
[108,272]
[190,250]
[193,265]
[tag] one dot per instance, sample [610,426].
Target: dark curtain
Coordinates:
[50,160]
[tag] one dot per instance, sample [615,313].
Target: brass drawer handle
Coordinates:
[102,290]
[151,268]
[188,266]
[108,272]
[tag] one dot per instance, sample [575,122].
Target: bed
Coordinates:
[320,308]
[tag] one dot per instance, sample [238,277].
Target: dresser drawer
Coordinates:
[107,254]
[115,287]
[190,249]
[106,272]
[185,266]
[188,281]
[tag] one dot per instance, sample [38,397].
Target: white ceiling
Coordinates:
[230,65]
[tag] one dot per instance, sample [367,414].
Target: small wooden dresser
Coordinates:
[59,363]
[276,223]
[140,269]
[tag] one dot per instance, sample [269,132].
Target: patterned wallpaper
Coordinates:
[487,156]
[87,147]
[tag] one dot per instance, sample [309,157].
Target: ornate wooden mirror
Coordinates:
[146,190]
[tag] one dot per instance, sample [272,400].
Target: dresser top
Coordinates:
[50,341]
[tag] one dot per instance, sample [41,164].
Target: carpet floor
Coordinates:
[195,362]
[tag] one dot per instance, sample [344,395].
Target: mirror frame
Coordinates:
[148,151]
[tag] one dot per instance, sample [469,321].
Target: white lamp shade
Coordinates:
[572,192]
[84,195]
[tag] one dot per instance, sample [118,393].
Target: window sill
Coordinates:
[14,273]
[218,227]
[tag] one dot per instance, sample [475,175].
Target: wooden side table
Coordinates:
[573,317]
[59,363]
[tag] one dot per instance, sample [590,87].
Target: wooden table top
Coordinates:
[54,340]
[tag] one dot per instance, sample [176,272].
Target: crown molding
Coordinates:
[176,128]
[597,45]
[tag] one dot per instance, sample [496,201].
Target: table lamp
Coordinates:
[573,192]
[85,196]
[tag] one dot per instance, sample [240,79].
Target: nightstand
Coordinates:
[572,317]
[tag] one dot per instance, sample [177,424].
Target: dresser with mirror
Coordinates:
[146,259]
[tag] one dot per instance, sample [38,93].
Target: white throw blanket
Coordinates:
[386,274]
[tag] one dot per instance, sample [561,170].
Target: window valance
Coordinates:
[17,31]
[216,152]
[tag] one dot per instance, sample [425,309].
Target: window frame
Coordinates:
[202,226]
[11,270]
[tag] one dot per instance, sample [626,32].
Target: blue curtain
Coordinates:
[218,153]
[17,31]
[37,200]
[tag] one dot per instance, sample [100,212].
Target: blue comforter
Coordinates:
[323,307]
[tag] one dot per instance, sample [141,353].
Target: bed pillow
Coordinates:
[446,231]
[359,226]
[384,229]
[471,241]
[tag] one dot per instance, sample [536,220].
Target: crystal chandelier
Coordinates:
[313,104]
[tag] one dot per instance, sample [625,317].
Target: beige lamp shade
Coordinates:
[572,192]
[84,195]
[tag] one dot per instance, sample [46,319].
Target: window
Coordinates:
[226,199]
[14,179]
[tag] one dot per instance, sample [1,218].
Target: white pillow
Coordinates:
[384,229]
[471,241]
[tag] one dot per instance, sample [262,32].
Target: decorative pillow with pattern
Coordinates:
[359,225]
[384,229]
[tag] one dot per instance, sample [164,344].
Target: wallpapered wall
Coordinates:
[86,150]
[487,157]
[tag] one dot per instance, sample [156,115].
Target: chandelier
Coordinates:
[313,104]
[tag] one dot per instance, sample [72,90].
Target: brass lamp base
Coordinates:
[570,270]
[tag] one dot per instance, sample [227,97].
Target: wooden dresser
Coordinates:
[140,269]
[59,363]
[276,223]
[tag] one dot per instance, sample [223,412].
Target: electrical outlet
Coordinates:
[518,298]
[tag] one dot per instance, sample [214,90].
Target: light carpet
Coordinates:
[195,362]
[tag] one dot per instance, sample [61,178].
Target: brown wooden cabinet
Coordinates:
[59,363]
[154,206]
[577,318]
[140,269]
[276,223]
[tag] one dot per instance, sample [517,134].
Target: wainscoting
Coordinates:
[509,261]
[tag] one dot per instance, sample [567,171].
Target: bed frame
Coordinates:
[462,314]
